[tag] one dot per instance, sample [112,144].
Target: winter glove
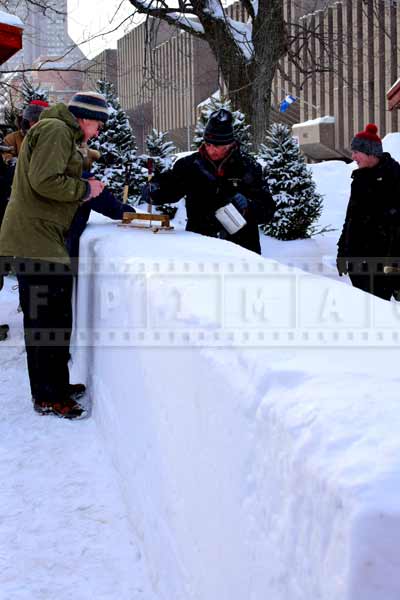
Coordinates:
[147,190]
[240,202]
[145,194]
[341,265]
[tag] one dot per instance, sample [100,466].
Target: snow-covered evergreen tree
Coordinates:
[29,92]
[240,126]
[291,184]
[160,149]
[117,146]
[161,152]
[12,115]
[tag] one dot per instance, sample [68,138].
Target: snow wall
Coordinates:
[249,449]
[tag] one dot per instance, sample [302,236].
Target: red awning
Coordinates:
[10,41]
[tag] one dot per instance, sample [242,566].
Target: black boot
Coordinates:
[76,390]
[4,329]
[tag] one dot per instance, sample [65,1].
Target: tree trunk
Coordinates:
[250,83]
[249,80]
[249,89]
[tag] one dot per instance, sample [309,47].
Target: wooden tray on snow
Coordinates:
[146,220]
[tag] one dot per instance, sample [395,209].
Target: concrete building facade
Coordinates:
[45,34]
[349,59]
[163,74]
[49,57]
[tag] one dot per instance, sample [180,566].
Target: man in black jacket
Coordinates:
[217,175]
[371,231]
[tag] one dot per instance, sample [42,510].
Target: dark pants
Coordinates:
[45,292]
[369,277]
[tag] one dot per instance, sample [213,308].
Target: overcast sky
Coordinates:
[91,17]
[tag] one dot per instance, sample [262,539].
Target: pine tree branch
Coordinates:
[176,16]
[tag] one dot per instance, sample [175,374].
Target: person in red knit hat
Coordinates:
[30,116]
[370,238]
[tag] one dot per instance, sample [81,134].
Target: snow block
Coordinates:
[249,471]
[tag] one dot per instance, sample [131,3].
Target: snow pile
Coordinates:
[251,411]
[12,20]
[318,121]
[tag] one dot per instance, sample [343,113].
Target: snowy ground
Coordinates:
[63,526]
[65,532]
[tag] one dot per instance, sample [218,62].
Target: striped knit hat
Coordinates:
[89,105]
[368,141]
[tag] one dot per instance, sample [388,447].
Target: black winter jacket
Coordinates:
[372,225]
[208,186]
[6,177]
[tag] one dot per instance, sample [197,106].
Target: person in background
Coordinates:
[30,116]
[5,189]
[106,204]
[371,231]
[47,191]
[216,176]
[6,177]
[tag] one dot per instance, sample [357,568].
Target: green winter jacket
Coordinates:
[47,189]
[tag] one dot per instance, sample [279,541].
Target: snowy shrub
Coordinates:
[291,184]
[160,149]
[161,152]
[117,146]
[29,92]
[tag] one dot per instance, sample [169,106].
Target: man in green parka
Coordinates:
[47,190]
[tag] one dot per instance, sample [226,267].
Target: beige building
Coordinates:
[163,74]
[352,60]
[58,78]
[103,66]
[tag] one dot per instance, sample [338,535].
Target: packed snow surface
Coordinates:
[244,437]
[9,19]
[64,530]
[318,121]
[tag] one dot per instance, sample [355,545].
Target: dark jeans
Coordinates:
[369,277]
[45,292]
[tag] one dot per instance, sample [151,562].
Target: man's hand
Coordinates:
[96,187]
[240,202]
[341,265]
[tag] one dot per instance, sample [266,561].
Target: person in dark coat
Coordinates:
[217,175]
[371,231]
[6,177]
[106,204]
[29,117]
